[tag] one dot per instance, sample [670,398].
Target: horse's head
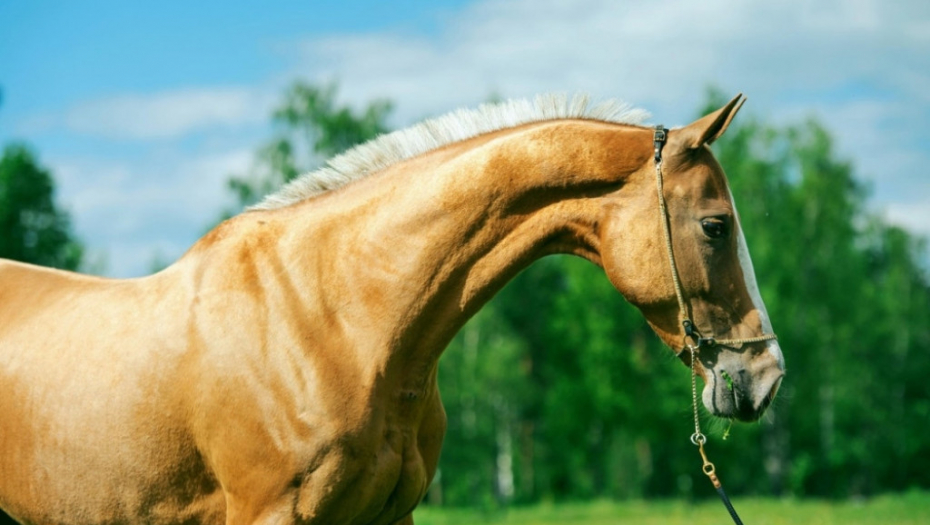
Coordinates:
[718,288]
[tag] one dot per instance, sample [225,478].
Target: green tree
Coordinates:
[310,127]
[594,406]
[849,302]
[32,228]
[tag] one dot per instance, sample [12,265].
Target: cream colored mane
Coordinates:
[462,124]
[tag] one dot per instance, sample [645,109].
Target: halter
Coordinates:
[698,341]
[659,138]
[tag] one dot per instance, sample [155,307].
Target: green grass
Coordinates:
[906,509]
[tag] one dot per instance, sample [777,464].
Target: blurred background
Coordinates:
[128,130]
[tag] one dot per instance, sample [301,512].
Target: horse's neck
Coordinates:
[405,257]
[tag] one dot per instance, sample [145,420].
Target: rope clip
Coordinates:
[695,335]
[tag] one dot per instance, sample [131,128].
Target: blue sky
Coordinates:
[143,110]
[115,47]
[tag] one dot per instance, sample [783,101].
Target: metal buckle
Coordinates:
[699,340]
[659,136]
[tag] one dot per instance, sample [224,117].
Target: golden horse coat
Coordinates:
[284,369]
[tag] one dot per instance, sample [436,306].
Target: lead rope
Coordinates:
[698,438]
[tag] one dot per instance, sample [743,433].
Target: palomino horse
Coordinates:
[284,370]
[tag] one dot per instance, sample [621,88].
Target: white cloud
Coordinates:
[861,66]
[133,212]
[168,114]
[915,216]
[664,51]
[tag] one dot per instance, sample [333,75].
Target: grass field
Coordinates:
[911,508]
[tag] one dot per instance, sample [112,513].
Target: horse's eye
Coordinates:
[714,227]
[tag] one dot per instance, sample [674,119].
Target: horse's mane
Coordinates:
[462,124]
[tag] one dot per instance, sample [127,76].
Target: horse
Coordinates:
[284,369]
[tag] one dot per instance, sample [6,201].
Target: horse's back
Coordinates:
[27,291]
[81,366]
[47,314]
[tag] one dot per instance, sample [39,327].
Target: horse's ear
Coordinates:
[707,129]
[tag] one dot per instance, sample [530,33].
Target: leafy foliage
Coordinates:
[600,408]
[311,127]
[32,228]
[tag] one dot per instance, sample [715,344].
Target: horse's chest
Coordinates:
[350,458]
